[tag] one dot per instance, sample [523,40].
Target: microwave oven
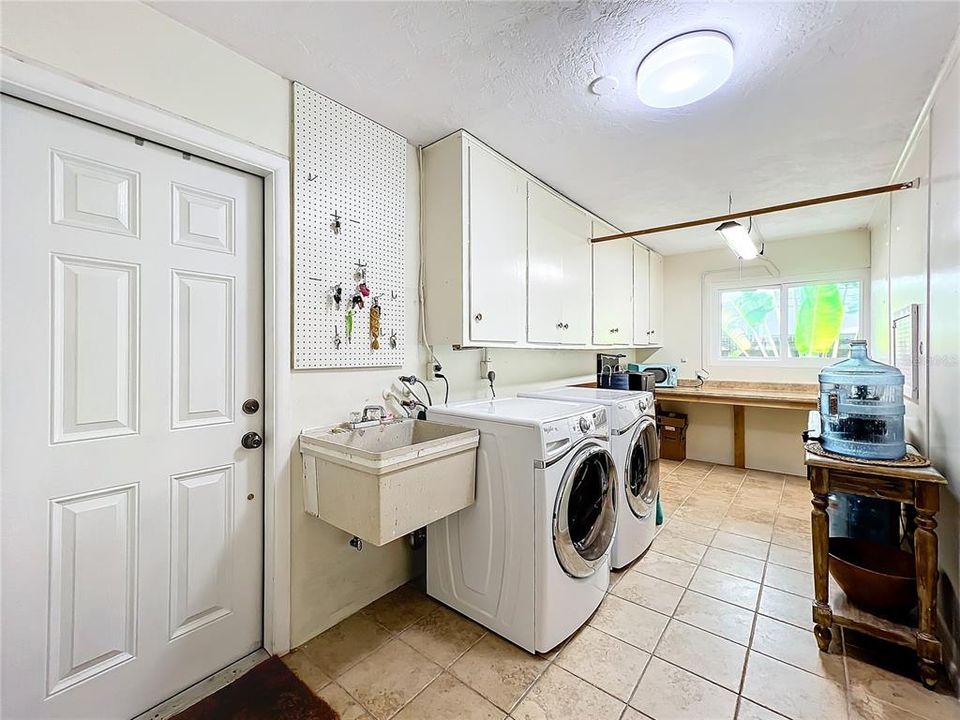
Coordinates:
[664,375]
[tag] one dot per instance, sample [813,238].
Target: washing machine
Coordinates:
[636,450]
[530,558]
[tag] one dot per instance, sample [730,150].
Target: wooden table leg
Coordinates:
[822,615]
[739,438]
[927,502]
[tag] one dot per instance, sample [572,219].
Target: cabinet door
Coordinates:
[577,281]
[656,298]
[612,289]
[497,237]
[559,279]
[641,295]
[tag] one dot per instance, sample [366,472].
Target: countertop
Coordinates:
[790,396]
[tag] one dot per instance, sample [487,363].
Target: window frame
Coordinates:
[712,312]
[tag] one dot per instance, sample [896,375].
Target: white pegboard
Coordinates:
[350,167]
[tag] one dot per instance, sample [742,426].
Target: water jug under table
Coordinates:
[861,407]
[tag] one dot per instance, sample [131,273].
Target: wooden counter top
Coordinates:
[787,396]
[740,394]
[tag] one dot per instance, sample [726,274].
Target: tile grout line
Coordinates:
[396,636]
[444,669]
[672,617]
[756,611]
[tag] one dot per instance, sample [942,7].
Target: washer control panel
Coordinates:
[629,411]
[563,433]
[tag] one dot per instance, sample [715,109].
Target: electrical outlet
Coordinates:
[430,373]
[486,364]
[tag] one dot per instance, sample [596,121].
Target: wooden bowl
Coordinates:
[879,578]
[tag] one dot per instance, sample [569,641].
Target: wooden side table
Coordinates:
[919,487]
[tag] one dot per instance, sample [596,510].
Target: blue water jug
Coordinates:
[861,407]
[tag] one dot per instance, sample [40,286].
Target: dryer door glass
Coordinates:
[642,481]
[585,514]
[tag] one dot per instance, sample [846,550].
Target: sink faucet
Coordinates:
[373,412]
[368,417]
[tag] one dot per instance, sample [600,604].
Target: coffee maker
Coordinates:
[610,374]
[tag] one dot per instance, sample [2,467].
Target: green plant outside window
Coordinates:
[817,320]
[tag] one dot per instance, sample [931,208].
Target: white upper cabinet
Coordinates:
[656,299]
[641,295]
[474,245]
[507,262]
[613,288]
[558,253]
[497,240]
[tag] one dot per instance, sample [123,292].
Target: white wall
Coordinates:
[772,436]
[916,237]
[133,50]
[130,49]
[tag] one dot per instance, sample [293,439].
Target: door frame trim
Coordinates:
[27,80]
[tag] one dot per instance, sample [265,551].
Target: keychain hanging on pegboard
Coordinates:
[349,260]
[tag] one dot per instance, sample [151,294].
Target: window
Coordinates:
[797,322]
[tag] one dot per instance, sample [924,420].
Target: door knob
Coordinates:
[251,441]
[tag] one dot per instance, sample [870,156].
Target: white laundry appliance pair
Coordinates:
[635,447]
[530,558]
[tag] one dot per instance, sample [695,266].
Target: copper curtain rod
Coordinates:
[765,210]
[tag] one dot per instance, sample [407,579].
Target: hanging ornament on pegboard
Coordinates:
[375,325]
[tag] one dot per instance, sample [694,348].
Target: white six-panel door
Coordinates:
[132,334]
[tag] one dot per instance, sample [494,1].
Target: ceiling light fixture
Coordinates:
[685,69]
[746,242]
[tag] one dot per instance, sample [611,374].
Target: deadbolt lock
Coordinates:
[250,406]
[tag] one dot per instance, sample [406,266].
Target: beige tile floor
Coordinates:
[713,623]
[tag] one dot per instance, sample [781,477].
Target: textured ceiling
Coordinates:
[822,97]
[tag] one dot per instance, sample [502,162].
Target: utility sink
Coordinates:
[380,483]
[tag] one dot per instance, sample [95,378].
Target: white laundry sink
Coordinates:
[380,483]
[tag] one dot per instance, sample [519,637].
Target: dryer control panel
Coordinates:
[561,434]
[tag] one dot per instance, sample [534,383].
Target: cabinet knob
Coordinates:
[559,326]
[478,317]
[566,326]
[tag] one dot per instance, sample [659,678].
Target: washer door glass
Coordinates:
[585,515]
[642,481]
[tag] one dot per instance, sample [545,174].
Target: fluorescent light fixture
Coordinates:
[746,242]
[685,69]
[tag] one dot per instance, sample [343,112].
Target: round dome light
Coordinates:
[685,69]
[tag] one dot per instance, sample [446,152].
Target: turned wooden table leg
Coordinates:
[822,615]
[927,502]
